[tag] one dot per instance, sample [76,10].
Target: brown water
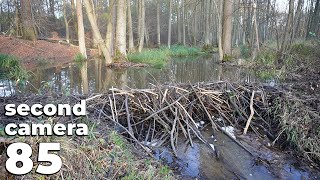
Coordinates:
[93,77]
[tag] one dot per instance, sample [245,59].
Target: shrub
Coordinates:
[79,58]
[12,68]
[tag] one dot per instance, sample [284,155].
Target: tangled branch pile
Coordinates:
[160,115]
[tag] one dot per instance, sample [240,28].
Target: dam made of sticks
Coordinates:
[158,116]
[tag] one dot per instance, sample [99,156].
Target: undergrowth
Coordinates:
[160,57]
[79,58]
[95,156]
[12,68]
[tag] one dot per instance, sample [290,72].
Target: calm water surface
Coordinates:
[94,77]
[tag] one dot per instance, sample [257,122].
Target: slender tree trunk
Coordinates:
[96,33]
[183,23]
[179,21]
[110,27]
[142,25]
[219,8]
[74,20]
[288,30]
[65,17]
[81,36]
[130,31]
[158,24]
[169,23]
[27,21]
[256,26]
[207,22]
[121,29]
[227,27]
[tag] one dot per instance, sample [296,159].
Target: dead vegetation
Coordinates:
[157,116]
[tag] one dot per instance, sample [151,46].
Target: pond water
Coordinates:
[94,77]
[197,162]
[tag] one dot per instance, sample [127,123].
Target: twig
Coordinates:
[251,114]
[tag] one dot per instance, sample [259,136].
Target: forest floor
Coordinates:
[33,54]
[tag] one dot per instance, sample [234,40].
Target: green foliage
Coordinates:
[159,57]
[266,57]
[227,57]
[183,51]
[209,49]
[245,51]
[12,68]
[154,57]
[79,58]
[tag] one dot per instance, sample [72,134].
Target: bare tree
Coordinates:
[227,27]
[96,33]
[81,36]
[121,29]
[130,31]
[27,21]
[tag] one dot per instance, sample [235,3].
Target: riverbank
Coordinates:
[182,110]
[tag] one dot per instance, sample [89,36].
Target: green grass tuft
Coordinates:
[12,68]
[159,57]
[79,58]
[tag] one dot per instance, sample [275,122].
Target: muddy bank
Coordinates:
[39,52]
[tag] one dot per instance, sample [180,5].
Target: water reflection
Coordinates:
[93,76]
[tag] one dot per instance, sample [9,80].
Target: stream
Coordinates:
[192,162]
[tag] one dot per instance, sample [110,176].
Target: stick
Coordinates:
[251,115]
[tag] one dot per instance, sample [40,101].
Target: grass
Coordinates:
[97,156]
[12,68]
[79,58]
[159,57]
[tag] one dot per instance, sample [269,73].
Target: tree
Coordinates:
[110,27]
[27,21]
[81,37]
[66,20]
[96,33]
[141,24]
[227,27]
[130,31]
[169,24]
[121,29]
[158,24]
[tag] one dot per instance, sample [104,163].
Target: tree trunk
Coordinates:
[169,23]
[130,31]
[207,22]
[96,33]
[227,27]
[74,20]
[142,24]
[110,27]
[179,21]
[81,37]
[288,31]
[27,21]
[121,29]
[183,23]
[66,20]
[158,24]
[219,8]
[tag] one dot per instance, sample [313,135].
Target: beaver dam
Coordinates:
[166,115]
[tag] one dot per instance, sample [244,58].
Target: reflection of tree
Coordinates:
[107,79]
[98,82]
[84,78]
[124,79]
